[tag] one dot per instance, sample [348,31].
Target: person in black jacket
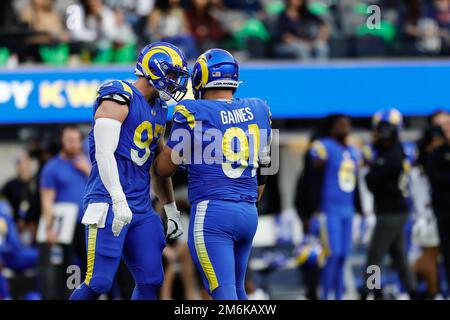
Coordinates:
[388,182]
[439,176]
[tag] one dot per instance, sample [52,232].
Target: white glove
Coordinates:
[174,227]
[122,213]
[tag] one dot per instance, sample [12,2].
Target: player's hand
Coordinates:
[174,227]
[52,236]
[122,214]
[82,164]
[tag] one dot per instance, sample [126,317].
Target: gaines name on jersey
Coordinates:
[236,116]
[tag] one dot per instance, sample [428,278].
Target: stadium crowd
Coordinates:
[106,31]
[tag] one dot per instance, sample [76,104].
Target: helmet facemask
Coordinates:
[173,83]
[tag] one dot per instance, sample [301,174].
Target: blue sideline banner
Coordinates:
[52,95]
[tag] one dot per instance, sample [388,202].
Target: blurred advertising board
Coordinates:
[416,87]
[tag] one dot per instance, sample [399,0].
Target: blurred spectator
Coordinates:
[439,175]
[421,33]
[440,13]
[102,30]
[45,24]
[204,26]
[63,180]
[302,34]
[387,181]
[8,17]
[433,137]
[124,32]
[99,23]
[168,22]
[21,193]
[44,20]
[425,232]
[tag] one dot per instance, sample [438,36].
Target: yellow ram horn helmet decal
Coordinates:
[205,73]
[176,58]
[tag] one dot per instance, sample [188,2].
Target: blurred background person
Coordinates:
[102,30]
[168,22]
[206,29]
[22,194]
[336,162]
[420,32]
[425,232]
[439,176]
[63,180]
[45,25]
[387,180]
[440,13]
[303,35]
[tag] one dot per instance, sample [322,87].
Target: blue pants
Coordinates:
[339,236]
[140,243]
[220,239]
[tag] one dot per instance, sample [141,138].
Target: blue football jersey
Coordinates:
[223,143]
[340,176]
[138,140]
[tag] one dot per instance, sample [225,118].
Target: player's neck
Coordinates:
[218,94]
[145,89]
[341,141]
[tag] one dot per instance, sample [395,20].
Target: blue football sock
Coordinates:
[145,292]
[225,293]
[83,292]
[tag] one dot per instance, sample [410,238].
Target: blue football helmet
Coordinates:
[310,252]
[165,68]
[392,116]
[216,68]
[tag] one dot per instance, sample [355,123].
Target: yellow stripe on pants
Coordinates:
[200,246]
[92,239]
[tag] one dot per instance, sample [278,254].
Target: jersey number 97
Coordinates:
[143,141]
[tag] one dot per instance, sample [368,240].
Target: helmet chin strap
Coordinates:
[164,96]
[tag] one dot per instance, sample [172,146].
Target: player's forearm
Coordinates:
[47,201]
[106,136]
[164,165]
[163,188]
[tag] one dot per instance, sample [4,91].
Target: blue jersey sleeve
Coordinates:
[48,176]
[182,127]
[115,90]
[318,150]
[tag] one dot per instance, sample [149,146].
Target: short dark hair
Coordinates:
[68,127]
[435,114]
[329,122]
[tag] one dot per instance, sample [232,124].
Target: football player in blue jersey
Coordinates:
[223,142]
[336,163]
[129,121]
